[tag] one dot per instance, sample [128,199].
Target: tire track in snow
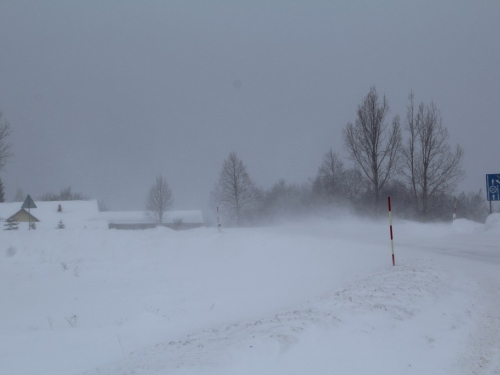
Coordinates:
[482,356]
[395,293]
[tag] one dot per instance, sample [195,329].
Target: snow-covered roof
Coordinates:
[9,209]
[72,212]
[136,217]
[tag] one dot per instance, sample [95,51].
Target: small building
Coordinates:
[74,214]
[23,216]
[134,220]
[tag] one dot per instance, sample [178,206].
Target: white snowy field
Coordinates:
[312,298]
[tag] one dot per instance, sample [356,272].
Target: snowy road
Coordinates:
[315,298]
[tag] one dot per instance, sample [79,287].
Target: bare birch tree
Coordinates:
[159,200]
[372,144]
[430,165]
[234,192]
[5,152]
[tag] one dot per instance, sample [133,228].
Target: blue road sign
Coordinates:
[28,203]
[493,187]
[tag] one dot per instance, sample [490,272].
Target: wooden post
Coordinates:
[218,223]
[390,227]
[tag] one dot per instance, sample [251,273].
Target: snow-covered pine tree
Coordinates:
[60,225]
[11,224]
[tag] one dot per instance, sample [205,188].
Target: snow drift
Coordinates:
[299,298]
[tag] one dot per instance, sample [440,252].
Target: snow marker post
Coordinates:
[390,227]
[218,223]
[454,208]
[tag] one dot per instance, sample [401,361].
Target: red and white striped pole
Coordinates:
[454,208]
[218,223]
[390,226]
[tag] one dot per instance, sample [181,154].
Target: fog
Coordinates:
[104,96]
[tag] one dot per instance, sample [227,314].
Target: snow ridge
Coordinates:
[394,294]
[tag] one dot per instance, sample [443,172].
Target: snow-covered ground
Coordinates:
[319,297]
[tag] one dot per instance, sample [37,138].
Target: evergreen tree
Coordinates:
[11,224]
[60,225]
[2,196]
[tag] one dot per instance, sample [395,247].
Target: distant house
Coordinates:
[74,214]
[178,220]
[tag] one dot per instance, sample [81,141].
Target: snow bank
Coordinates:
[469,227]
[493,222]
[466,226]
[386,322]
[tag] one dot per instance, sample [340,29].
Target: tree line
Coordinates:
[5,150]
[420,172]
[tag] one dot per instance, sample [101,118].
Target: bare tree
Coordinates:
[408,151]
[20,196]
[330,174]
[430,165]
[102,206]
[284,200]
[5,152]
[354,188]
[64,195]
[234,192]
[372,144]
[159,200]
[472,206]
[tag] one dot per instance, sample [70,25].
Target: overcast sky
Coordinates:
[105,95]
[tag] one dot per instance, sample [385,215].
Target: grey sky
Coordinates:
[104,96]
